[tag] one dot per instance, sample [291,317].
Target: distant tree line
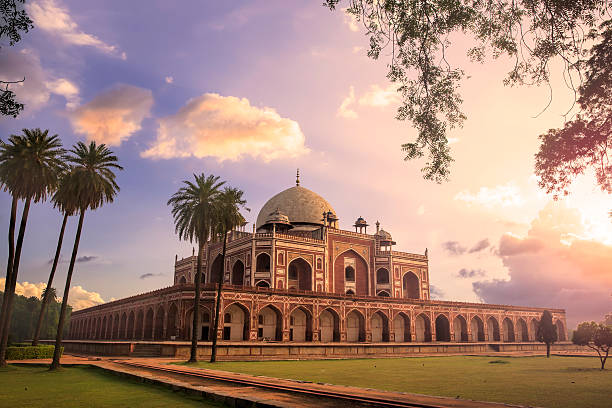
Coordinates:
[25,315]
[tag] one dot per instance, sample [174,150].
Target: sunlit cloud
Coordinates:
[67,89]
[351,22]
[377,96]
[114,115]
[507,195]
[54,18]
[78,298]
[227,128]
[344,111]
[552,267]
[169,79]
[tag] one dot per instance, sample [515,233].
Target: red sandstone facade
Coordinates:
[298,278]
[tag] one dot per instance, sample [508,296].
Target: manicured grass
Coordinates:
[33,387]
[555,382]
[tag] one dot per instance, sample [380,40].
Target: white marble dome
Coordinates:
[301,205]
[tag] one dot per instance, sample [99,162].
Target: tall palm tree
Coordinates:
[30,166]
[193,210]
[228,218]
[88,185]
[62,201]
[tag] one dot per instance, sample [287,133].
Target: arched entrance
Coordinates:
[171,325]
[493,329]
[300,275]
[522,333]
[159,324]
[508,329]
[401,328]
[130,325]
[423,328]
[270,324]
[533,329]
[460,329]
[139,325]
[300,325]
[123,326]
[410,286]
[182,281]
[116,327]
[442,328]
[216,270]
[235,323]
[380,327]
[477,329]
[238,274]
[329,324]
[351,273]
[382,276]
[103,335]
[355,327]
[148,325]
[561,336]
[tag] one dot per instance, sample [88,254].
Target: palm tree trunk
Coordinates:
[45,300]
[10,293]
[60,327]
[213,354]
[193,358]
[9,265]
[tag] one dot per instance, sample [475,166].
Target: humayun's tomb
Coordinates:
[298,286]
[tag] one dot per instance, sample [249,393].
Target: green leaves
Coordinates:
[418,33]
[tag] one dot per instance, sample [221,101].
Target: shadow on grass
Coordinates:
[584,370]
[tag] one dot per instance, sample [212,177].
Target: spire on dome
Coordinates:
[297,178]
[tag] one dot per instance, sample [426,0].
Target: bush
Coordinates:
[29,352]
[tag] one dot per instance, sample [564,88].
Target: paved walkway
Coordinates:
[238,390]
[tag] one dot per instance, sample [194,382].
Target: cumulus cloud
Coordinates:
[39,85]
[507,195]
[552,266]
[470,273]
[228,128]
[375,97]
[453,247]
[78,298]
[480,245]
[350,21]
[55,19]
[114,115]
[345,111]
[169,79]
[435,292]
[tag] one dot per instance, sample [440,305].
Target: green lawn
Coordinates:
[33,387]
[555,382]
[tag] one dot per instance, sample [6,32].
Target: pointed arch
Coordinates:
[379,323]
[172,329]
[237,328]
[561,334]
[422,328]
[270,323]
[329,325]
[355,326]
[130,325]
[477,326]
[508,330]
[442,328]
[139,324]
[460,329]
[148,325]
[533,328]
[382,276]
[299,274]
[262,262]
[347,264]
[123,326]
[411,286]
[116,327]
[237,277]
[160,316]
[300,324]
[401,328]
[493,329]
[216,269]
[522,334]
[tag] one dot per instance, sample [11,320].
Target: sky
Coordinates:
[250,91]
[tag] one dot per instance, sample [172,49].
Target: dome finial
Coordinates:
[297,178]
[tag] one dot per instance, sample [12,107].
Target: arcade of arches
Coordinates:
[298,322]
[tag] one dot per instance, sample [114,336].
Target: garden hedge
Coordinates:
[29,352]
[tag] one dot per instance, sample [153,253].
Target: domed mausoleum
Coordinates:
[299,279]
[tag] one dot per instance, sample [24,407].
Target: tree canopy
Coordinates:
[595,336]
[13,21]
[417,35]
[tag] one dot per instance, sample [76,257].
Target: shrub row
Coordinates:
[27,353]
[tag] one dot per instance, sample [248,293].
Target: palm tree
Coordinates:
[88,185]
[193,210]
[61,201]
[228,217]
[30,166]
